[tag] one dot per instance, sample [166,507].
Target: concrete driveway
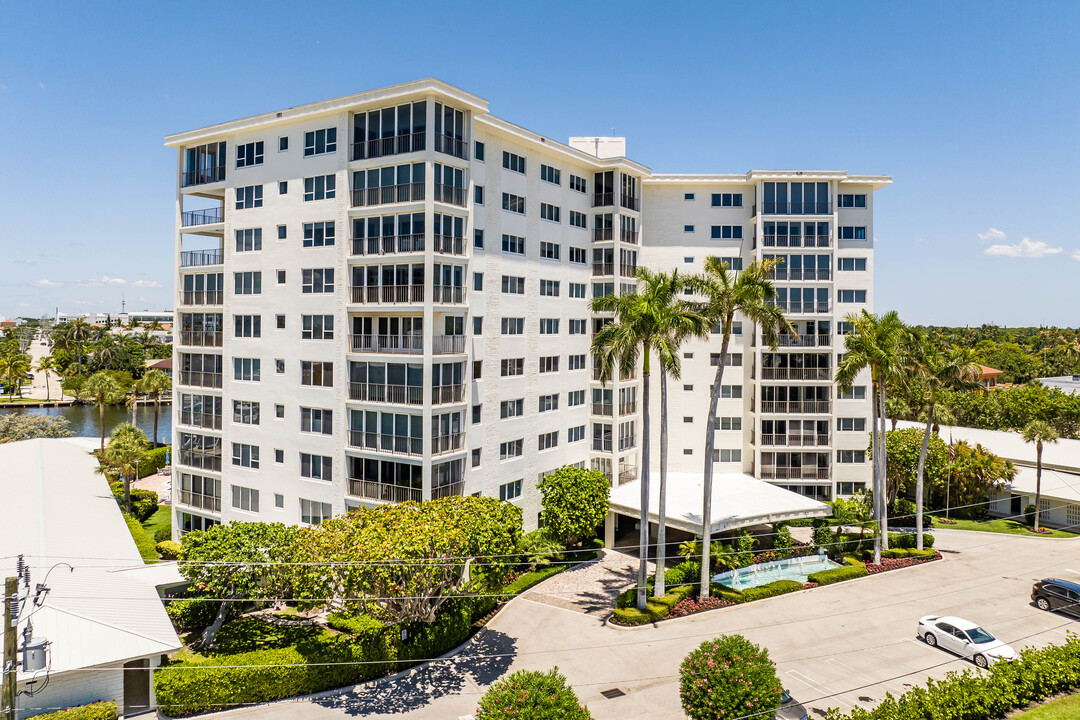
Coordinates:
[836,646]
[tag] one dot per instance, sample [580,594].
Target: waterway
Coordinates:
[84,418]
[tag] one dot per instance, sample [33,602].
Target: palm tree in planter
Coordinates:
[155,383]
[1038,432]
[723,293]
[652,319]
[105,390]
[127,448]
[47,364]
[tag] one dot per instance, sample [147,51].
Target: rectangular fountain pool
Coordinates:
[790,569]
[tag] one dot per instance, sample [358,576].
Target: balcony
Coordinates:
[202,297]
[207,216]
[627,441]
[601,444]
[389,344]
[795,241]
[628,408]
[202,459]
[629,236]
[627,270]
[447,344]
[443,394]
[776,472]
[371,490]
[448,490]
[447,444]
[798,307]
[603,199]
[783,373]
[449,245]
[799,274]
[627,474]
[449,294]
[383,147]
[393,444]
[449,194]
[450,145]
[603,269]
[388,245]
[203,176]
[380,393]
[603,234]
[805,341]
[210,421]
[196,378]
[630,202]
[795,440]
[603,409]
[389,194]
[199,500]
[387,294]
[201,338]
[796,208]
[195,258]
[799,407]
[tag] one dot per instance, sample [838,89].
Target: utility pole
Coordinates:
[11,598]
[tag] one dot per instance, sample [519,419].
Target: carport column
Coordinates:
[609,531]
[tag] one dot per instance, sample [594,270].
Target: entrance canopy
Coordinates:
[738,500]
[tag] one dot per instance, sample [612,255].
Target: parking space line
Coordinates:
[818,687]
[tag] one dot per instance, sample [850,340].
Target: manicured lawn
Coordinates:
[161,518]
[1066,708]
[1010,527]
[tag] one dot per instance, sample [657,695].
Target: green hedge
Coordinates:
[655,608]
[168,549]
[906,541]
[144,503]
[686,573]
[828,577]
[142,540]
[780,587]
[725,593]
[94,711]
[527,580]
[153,461]
[189,614]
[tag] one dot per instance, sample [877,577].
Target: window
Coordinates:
[851,424]
[513,326]
[281,232]
[549,363]
[247,283]
[851,296]
[249,197]
[477,366]
[319,234]
[279,366]
[476,457]
[248,154]
[549,326]
[280,322]
[247,326]
[509,367]
[279,412]
[313,513]
[513,162]
[689,356]
[281,277]
[688,451]
[513,203]
[843,328]
[478,153]
[316,467]
[577,183]
[688,228]
[732,359]
[575,362]
[283,143]
[577,290]
[513,244]
[511,449]
[849,488]
[513,285]
[317,142]
[857,392]
[725,455]
[731,391]
[478,239]
[245,412]
[688,388]
[550,174]
[478,194]
[726,232]
[249,240]
[279,500]
[578,220]
[317,420]
[575,434]
[549,402]
[851,201]
[320,187]
[478,281]
[728,423]
[849,232]
[245,456]
[478,324]
[547,440]
[727,199]
[578,327]
[848,457]
[511,408]
[550,212]
[575,397]
[317,280]
[510,490]
[476,413]
[315,373]
[315,327]
[246,369]
[688,419]
[245,498]
[688,196]
[851,264]
[283,187]
[549,250]
[733,263]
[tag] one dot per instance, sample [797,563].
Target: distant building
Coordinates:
[988,377]
[1065,383]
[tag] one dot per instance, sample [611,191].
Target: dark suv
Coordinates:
[1053,594]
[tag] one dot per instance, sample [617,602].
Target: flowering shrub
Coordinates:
[531,695]
[726,678]
[691,605]
[901,562]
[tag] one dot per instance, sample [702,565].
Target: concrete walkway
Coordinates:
[590,588]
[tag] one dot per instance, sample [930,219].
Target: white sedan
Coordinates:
[965,639]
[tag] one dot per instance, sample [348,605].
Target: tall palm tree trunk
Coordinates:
[661,533]
[884,472]
[48,395]
[101,422]
[919,487]
[876,469]
[643,524]
[157,407]
[707,479]
[1038,481]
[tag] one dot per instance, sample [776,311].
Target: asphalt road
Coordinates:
[836,646]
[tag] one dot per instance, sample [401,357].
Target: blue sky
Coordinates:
[972,107]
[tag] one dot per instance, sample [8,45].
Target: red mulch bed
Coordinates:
[896,563]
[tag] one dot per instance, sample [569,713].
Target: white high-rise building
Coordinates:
[384,297]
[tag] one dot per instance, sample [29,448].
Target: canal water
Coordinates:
[84,418]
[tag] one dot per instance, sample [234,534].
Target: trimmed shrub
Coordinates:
[168,550]
[529,695]
[144,503]
[828,577]
[1029,514]
[725,593]
[354,624]
[191,613]
[94,711]
[153,461]
[163,533]
[540,549]
[728,677]
[632,616]
[780,587]
[686,573]
[906,541]
[526,581]
[656,608]
[142,540]
[853,562]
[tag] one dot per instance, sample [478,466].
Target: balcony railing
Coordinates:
[394,444]
[796,208]
[601,444]
[799,307]
[812,407]
[388,245]
[796,274]
[388,294]
[795,440]
[448,490]
[194,258]
[776,472]
[603,234]
[449,294]
[630,202]
[201,338]
[209,216]
[196,378]
[202,297]
[783,373]
[603,408]
[202,459]
[378,392]
[210,421]
[603,199]
[450,145]
[392,344]
[629,236]
[810,241]
[199,500]
[627,474]
[447,443]
[627,441]
[449,194]
[405,192]
[805,341]
[449,245]
[628,408]
[442,394]
[383,147]
[203,176]
[372,490]
[603,268]
[627,270]
[447,344]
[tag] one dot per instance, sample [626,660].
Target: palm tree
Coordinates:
[78,332]
[14,368]
[954,368]
[1038,432]
[155,383]
[651,319]
[896,407]
[107,349]
[874,343]
[104,389]
[724,293]
[47,364]
[154,326]
[127,448]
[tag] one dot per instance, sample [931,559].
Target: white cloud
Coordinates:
[919,240]
[1026,248]
[104,280]
[43,283]
[991,235]
[83,302]
[1075,255]
[146,284]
